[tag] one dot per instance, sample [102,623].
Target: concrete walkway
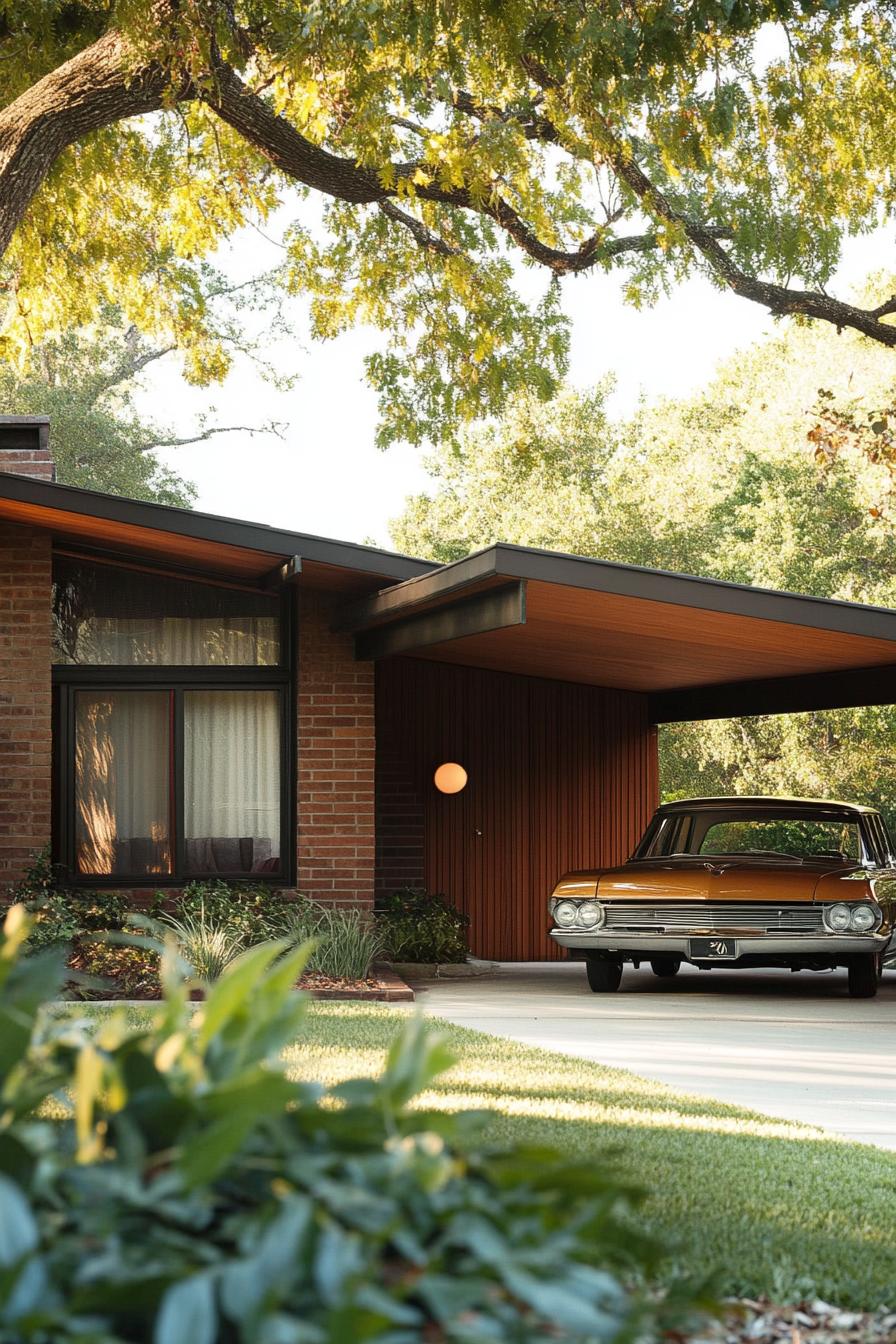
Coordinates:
[788,1045]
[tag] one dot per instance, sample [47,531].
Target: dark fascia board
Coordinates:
[655,585]
[211,527]
[848,689]
[494,609]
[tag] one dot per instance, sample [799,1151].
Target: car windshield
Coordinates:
[760,834]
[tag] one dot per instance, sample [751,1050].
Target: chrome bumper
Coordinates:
[748,944]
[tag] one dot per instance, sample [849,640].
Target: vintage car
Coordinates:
[739,883]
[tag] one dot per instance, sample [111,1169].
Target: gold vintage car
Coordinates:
[738,883]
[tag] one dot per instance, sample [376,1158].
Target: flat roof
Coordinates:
[202,542]
[696,647]
[687,642]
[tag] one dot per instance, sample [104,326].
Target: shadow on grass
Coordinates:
[776,1208]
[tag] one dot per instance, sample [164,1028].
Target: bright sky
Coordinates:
[327,477]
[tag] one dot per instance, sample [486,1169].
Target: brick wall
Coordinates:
[336,759]
[25,652]
[35,462]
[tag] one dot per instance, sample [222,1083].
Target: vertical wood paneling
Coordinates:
[561,776]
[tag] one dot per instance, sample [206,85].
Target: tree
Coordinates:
[742,139]
[735,483]
[86,382]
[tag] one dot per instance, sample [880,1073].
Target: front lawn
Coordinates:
[778,1208]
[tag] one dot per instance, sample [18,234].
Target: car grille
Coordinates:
[714,917]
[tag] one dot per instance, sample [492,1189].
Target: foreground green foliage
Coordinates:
[193,1192]
[777,1209]
[423,927]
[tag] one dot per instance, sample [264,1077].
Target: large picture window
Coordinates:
[173,729]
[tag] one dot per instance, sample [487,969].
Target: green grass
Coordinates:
[775,1208]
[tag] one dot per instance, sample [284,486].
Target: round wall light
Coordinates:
[450,777]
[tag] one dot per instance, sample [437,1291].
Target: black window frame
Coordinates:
[69,678]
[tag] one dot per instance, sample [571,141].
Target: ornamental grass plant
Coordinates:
[343,943]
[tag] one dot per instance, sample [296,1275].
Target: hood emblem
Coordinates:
[717,868]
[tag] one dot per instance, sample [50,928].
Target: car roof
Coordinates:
[798,804]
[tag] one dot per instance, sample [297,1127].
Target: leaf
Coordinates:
[205,1156]
[235,986]
[18,1228]
[415,1058]
[88,1081]
[187,1314]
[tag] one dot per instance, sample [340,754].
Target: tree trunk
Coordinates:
[96,88]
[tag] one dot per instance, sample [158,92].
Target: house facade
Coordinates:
[186,697]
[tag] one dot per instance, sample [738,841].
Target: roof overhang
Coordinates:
[699,648]
[199,543]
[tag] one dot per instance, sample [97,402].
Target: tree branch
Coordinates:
[429,241]
[129,368]
[779,299]
[206,434]
[289,151]
[96,88]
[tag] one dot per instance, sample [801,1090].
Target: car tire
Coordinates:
[864,975]
[604,974]
[665,967]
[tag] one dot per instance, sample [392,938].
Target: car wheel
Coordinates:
[863,976]
[665,967]
[604,974]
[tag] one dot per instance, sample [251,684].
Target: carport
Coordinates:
[544,675]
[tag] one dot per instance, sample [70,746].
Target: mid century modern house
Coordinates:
[184,696]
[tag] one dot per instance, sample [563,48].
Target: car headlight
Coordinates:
[838,918]
[864,918]
[565,914]
[590,914]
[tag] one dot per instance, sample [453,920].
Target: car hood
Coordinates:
[720,880]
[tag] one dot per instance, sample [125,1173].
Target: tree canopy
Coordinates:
[771,475]
[421,150]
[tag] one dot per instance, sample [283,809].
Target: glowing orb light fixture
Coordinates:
[450,777]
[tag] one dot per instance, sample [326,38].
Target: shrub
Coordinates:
[61,914]
[194,1194]
[207,944]
[252,910]
[417,926]
[345,943]
[114,971]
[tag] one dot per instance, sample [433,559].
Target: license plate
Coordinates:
[712,949]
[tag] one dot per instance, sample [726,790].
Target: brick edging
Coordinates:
[390,988]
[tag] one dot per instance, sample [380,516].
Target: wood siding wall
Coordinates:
[560,776]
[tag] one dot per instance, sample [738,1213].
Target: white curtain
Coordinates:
[177,641]
[122,782]
[232,781]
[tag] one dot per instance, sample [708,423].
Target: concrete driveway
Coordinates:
[788,1045]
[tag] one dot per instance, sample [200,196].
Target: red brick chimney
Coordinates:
[25,446]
